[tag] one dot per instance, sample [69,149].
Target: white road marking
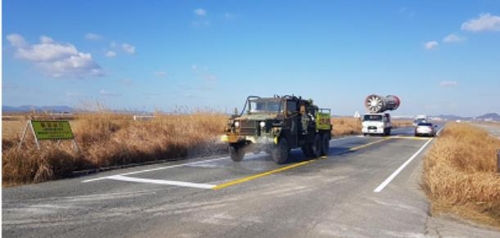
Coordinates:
[163,182]
[155,169]
[395,173]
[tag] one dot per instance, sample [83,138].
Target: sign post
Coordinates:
[49,130]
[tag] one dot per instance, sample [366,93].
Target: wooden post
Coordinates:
[498,161]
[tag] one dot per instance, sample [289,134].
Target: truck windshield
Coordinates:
[257,106]
[372,118]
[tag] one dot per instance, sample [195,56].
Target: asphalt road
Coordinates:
[365,187]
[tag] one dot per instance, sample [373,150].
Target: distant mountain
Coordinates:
[453,117]
[29,108]
[489,116]
[485,117]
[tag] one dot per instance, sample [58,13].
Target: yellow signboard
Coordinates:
[52,130]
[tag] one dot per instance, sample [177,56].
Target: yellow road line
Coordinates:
[366,145]
[246,179]
[252,177]
[412,138]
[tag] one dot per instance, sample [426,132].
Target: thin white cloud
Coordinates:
[151,94]
[407,11]
[56,59]
[161,74]
[485,22]
[92,36]
[107,93]
[451,38]
[128,48]
[448,83]
[200,23]
[46,40]
[126,81]
[209,77]
[200,12]
[229,16]
[431,45]
[110,54]
[17,40]
[74,94]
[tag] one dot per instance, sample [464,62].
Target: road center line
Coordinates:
[163,182]
[371,143]
[395,173]
[249,178]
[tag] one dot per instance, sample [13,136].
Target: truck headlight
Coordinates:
[237,124]
[262,124]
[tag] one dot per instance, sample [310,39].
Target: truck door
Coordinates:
[294,115]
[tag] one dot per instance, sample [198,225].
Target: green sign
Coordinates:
[52,130]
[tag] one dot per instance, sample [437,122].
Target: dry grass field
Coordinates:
[106,139]
[460,174]
[109,139]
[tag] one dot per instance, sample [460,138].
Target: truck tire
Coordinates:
[306,150]
[280,151]
[236,153]
[316,148]
[325,144]
[387,131]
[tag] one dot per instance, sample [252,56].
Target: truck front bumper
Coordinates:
[378,130]
[233,138]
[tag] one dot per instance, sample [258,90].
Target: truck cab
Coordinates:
[376,123]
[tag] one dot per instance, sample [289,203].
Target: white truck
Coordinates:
[377,121]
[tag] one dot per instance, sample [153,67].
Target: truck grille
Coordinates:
[248,128]
[372,128]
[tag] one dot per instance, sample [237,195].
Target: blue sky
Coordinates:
[439,57]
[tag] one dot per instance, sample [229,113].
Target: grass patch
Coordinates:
[460,174]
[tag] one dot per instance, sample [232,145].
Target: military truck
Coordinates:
[276,125]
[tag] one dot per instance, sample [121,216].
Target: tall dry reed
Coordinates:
[460,173]
[109,139]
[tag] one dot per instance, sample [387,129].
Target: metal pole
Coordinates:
[24,134]
[498,161]
[34,134]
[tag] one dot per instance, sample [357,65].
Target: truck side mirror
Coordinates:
[235,111]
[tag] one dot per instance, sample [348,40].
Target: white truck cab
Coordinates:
[376,123]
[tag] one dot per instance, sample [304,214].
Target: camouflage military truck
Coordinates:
[276,125]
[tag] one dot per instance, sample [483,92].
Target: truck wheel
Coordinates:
[307,150]
[280,152]
[316,149]
[388,131]
[236,153]
[325,144]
